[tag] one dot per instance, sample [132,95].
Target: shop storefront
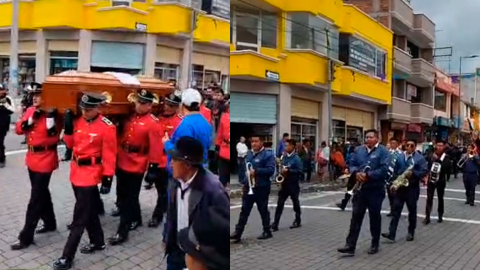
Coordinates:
[26,70]
[391,130]
[414,132]
[304,121]
[350,124]
[117,56]
[442,128]
[61,61]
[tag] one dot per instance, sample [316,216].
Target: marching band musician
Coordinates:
[263,163]
[139,151]
[470,173]
[42,132]
[440,166]
[396,163]
[7,108]
[168,123]
[369,166]
[292,169]
[93,140]
[407,194]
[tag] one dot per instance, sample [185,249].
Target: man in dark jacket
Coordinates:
[306,155]
[7,108]
[262,168]
[470,173]
[197,199]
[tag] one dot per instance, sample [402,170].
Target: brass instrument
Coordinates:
[8,103]
[436,169]
[464,158]
[250,179]
[358,185]
[280,178]
[402,180]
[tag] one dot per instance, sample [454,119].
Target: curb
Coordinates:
[237,192]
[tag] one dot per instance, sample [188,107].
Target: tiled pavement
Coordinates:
[142,251]
[454,244]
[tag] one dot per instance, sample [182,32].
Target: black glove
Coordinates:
[68,155]
[69,122]
[36,114]
[152,174]
[52,113]
[26,126]
[106,184]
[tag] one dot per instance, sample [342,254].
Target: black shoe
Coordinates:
[390,214]
[45,229]
[236,237]
[410,237]
[472,204]
[347,250]
[339,205]
[135,225]
[115,212]
[2,165]
[388,236]
[274,227]
[90,248]
[265,235]
[24,142]
[62,264]
[440,219]
[154,223]
[117,240]
[426,221]
[467,202]
[148,186]
[19,246]
[373,250]
[296,224]
[70,225]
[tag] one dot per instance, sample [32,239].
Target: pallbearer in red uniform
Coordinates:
[42,133]
[168,123]
[222,145]
[140,149]
[93,140]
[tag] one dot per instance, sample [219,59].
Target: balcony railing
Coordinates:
[403,12]
[399,110]
[424,69]
[423,24]
[403,60]
[422,113]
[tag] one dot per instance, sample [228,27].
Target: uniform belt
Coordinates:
[87,161]
[42,148]
[133,149]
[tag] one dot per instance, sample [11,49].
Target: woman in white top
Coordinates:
[242,151]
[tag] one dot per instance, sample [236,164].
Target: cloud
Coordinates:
[456,24]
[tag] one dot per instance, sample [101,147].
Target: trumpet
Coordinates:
[250,179]
[464,158]
[358,185]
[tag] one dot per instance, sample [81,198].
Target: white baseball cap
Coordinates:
[190,96]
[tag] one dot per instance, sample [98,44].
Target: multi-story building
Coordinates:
[279,65]
[136,36]
[469,85]
[446,108]
[411,112]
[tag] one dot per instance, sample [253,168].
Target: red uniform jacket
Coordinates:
[44,161]
[207,113]
[92,139]
[168,125]
[223,136]
[140,144]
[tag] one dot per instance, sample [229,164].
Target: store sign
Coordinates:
[414,128]
[274,76]
[362,55]
[220,8]
[141,27]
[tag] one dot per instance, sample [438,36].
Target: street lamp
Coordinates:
[460,82]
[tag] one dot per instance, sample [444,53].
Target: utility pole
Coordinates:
[330,81]
[13,80]
[193,26]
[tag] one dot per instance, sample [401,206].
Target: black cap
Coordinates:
[188,149]
[174,98]
[36,88]
[91,100]
[145,96]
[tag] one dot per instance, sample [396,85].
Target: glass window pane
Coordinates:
[300,34]
[269,30]
[380,64]
[440,101]
[319,33]
[247,28]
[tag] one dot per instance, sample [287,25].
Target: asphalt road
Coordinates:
[453,244]
[142,251]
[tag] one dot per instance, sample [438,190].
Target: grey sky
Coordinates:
[456,24]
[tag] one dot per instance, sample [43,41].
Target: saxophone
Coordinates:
[402,179]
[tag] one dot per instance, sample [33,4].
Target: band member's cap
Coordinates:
[191,96]
[35,87]
[188,149]
[91,100]
[145,96]
[174,98]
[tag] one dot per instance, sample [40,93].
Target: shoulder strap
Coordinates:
[442,157]
[107,121]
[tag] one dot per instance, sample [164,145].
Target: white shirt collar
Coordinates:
[185,185]
[376,145]
[289,155]
[258,151]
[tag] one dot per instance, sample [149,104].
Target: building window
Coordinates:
[440,101]
[116,3]
[61,61]
[252,29]
[302,129]
[363,56]
[226,84]
[306,31]
[338,130]
[166,72]
[211,77]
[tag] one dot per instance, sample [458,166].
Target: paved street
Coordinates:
[143,251]
[454,244]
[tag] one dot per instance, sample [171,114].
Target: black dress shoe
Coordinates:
[426,221]
[45,229]
[148,186]
[339,205]
[347,250]
[70,225]
[153,223]
[410,237]
[19,246]
[296,224]
[373,250]
[62,264]
[440,219]
[265,235]
[115,212]
[90,248]
[274,227]
[135,225]
[388,236]
[236,237]
[116,240]
[467,202]
[472,204]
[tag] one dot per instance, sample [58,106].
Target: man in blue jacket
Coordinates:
[408,195]
[470,172]
[369,166]
[397,164]
[263,167]
[291,170]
